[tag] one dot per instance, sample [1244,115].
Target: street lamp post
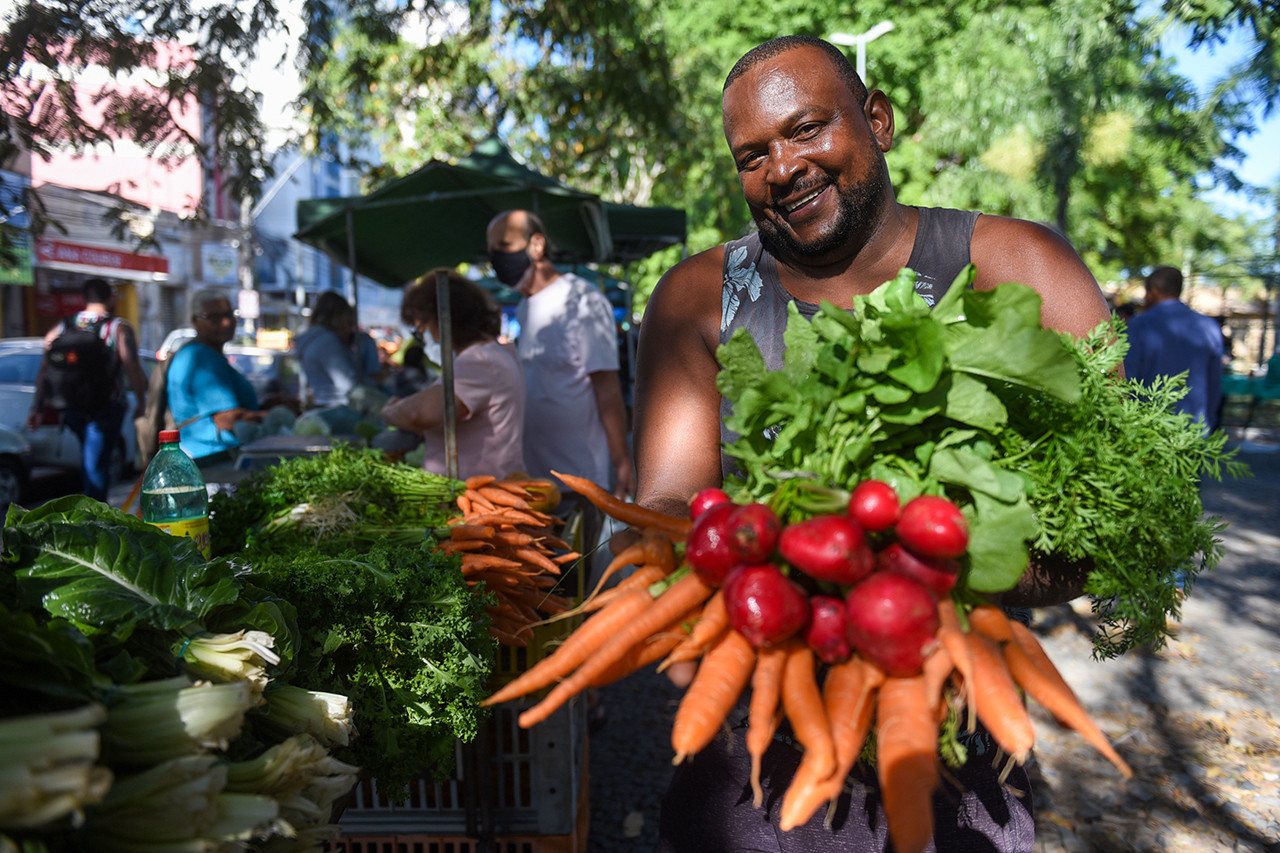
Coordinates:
[860,42]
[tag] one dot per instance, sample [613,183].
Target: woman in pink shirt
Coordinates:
[488,383]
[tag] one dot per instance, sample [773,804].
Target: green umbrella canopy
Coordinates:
[437,216]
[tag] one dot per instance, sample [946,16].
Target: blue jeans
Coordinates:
[99,432]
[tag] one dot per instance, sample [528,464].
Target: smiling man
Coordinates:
[808,141]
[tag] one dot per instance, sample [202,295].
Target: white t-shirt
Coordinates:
[567,332]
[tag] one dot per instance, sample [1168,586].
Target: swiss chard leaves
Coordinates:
[105,571]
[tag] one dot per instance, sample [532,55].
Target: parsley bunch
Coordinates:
[396,629]
[1028,431]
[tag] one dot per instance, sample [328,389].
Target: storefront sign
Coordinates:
[107,262]
[219,263]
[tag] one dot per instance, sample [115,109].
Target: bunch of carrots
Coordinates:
[507,542]
[979,664]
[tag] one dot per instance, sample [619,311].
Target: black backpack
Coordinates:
[81,367]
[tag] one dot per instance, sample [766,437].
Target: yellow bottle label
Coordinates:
[193,528]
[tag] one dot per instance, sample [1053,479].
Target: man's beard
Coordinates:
[856,211]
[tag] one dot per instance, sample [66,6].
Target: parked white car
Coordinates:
[53,444]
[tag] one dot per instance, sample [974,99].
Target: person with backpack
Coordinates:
[87,360]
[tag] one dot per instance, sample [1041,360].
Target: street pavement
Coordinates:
[1196,719]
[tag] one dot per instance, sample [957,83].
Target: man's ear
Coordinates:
[879,115]
[538,246]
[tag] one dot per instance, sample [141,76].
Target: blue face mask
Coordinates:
[509,267]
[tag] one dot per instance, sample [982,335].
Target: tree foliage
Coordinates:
[1066,112]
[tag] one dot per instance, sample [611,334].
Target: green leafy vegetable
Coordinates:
[1030,432]
[347,492]
[397,630]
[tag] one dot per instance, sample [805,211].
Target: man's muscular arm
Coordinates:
[677,406]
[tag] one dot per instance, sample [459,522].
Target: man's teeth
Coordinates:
[803,200]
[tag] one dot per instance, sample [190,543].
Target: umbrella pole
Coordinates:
[444,317]
[351,262]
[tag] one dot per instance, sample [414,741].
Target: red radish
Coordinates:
[754,529]
[874,505]
[764,605]
[939,574]
[828,547]
[892,621]
[826,633]
[705,499]
[709,547]
[933,526]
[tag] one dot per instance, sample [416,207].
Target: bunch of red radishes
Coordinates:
[867,580]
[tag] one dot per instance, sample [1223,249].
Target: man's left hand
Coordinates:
[624,479]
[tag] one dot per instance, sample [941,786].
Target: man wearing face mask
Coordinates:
[575,420]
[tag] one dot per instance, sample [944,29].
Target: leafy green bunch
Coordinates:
[974,400]
[396,628]
[347,492]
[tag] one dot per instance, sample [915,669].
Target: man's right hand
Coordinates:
[34,420]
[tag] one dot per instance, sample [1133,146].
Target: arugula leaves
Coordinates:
[1030,432]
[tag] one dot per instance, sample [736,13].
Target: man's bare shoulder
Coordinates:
[1005,249]
[692,287]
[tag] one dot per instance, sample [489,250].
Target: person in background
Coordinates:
[207,396]
[808,142]
[575,419]
[98,426]
[1169,338]
[1126,311]
[488,384]
[326,351]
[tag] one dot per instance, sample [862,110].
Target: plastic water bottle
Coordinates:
[174,497]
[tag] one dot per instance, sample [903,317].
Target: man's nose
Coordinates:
[783,164]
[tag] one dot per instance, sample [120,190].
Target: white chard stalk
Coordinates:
[48,767]
[179,805]
[158,720]
[242,656]
[325,716]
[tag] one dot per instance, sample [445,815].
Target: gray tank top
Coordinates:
[753,297]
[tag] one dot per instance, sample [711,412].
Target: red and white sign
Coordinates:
[73,256]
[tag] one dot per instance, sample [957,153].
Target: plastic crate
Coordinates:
[515,782]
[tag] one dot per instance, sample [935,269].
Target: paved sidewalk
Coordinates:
[1196,720]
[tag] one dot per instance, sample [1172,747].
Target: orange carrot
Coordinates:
[470,531]
[991,621]
[723,675]
[653,549]
[478,501]
[479,480]
[577,647]
[627,513]
[643,577]
[802,702]
[713,621]
[996,700]
[1056,696]
[906,749]
[937,669]
[762,714]
[678,599]
[464,504]
[952,637]
[471,562]
[501,497]
[655,649]
[848,695]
